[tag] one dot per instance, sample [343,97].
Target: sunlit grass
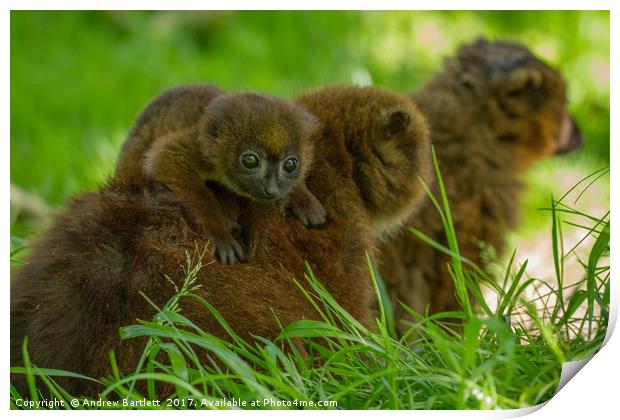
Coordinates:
[74,97]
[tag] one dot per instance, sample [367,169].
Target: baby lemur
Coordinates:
[493,109]
[87,274]
[212,148]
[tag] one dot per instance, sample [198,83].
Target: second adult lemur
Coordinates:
[493,109]
[214,149]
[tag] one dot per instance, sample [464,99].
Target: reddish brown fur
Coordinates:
[84,275]
[383,170]
[493,110]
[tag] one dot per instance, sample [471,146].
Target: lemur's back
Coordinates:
[173,110]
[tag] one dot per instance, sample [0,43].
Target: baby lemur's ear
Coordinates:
[215,116]
[396,121]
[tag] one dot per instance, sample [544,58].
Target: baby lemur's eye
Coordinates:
[290,164]
[250,160]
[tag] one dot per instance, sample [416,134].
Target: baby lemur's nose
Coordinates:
[270,191]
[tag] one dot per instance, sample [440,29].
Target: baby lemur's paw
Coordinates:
[227,249]
[309,211]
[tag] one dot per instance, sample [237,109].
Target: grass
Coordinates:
[79,78]
[509,356]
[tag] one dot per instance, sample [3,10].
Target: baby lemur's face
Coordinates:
[388,142]
[524,98]
[259,145]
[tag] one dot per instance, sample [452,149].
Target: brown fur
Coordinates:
[387,161]
[493,110]
[192,134]
[84,275]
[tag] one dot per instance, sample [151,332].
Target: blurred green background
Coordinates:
[78,79]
